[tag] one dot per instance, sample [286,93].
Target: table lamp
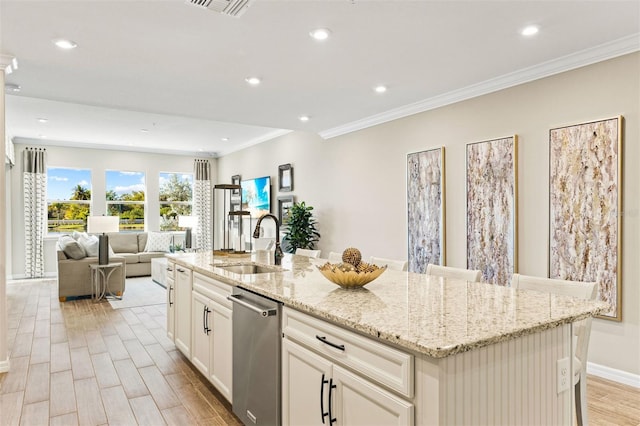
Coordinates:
[187,222]
[101,225]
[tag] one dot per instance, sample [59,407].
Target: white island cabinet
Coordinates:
[407,349]
[182,309]
[212,346]
[317,388]
[171,298]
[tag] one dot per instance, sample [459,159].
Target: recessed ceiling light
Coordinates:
[304,118]
[320,34]
[42,136]
[254,81]
[65,44]
[380,89]
[530,30]
[144,130]
[225,139]
[10,87]
[42,120]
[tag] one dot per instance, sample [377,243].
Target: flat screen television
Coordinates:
[256,196]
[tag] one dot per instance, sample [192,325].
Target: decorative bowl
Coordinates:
[349,279]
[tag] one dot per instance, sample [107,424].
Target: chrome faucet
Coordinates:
[256,234]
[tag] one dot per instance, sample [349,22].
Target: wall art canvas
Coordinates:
[425,209]
[492,209]
[585,166]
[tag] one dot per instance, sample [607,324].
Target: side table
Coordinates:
[100,275]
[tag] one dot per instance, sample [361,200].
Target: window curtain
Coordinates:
[202,204]
[34,183]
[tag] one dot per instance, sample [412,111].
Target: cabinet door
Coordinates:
[305,386]
[221,367]
[183,283]
[171,304]
[201,330]
[356,401]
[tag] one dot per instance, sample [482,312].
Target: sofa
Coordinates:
[133,249]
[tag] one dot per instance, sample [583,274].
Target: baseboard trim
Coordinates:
[4,366]
[17,277]
[615,375]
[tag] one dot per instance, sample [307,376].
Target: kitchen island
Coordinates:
[440,351]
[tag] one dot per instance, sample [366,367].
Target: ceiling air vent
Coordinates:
[228,7]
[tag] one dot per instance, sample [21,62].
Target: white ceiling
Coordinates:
[179,71]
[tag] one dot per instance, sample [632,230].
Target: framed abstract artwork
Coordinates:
[284,204]
[285,178]
[425,209]
[585,205]
[492,213]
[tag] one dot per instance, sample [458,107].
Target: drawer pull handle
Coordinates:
[181,270]
[324,340]
[322,383]
[331,388]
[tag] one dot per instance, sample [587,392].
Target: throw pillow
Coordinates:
[76,235]
[158,241]
[90,244]
[71,248]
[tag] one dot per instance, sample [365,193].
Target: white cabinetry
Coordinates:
[171,305]
[331,375]
[201,347]
[182,313]
[212,349]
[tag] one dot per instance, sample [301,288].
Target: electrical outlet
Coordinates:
[564,376]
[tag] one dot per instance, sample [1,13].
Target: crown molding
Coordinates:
[86,145]
[262,138]
[570,62]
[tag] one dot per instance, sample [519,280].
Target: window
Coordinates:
[176,198]
[68,199]
[125,198]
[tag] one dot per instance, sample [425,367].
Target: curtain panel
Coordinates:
[34,184]
[202,204]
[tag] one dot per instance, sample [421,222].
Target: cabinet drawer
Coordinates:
[377,361]
[213,289]
[171,268]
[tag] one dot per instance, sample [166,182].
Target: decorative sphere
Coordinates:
[352,255]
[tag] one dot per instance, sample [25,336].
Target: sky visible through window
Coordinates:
[61,182]
[122,182]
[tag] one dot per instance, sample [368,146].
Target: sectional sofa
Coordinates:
[134,249]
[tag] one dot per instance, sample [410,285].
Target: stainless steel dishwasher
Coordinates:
[256,358]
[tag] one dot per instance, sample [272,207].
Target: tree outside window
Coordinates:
[68,199]
[176,199]
[126,198]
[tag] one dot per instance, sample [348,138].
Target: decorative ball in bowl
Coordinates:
[347,276]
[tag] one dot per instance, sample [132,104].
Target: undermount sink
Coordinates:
[250,269]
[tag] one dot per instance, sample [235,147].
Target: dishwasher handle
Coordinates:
[260,311]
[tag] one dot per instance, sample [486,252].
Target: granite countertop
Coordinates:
[426,314]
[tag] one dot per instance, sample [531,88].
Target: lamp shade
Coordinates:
[187,221]
[103,224]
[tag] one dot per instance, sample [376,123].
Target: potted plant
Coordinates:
[300,228]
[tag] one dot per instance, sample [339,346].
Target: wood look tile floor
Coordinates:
[84,363]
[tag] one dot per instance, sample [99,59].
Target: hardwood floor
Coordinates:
[85,363]
[80,362]
[611,403]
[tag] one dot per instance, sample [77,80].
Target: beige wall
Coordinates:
[99,161]
[357,182]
